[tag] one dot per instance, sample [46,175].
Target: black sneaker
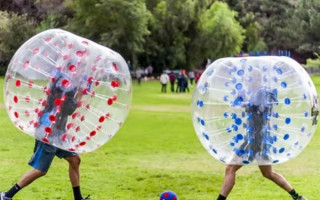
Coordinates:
[88,197]
[3,196]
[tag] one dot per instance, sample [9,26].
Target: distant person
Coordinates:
[149,71]
[185,82]
[192,76]
[172,78]
[139,74]
[179,82]
[129,65]
[164,79]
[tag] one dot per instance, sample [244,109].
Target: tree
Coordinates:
[118,24]
[14,31]
[220,33]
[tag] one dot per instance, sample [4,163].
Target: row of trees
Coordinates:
[169,34]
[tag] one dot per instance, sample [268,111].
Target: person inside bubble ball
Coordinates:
[259,108]
[61,102]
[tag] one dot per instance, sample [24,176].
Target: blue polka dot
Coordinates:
[201,104]
[275,126]
[250,129]
[250,68]
[233,92]
[286,136]
[276,115]
[229,130]
[238,101]
[265,68]
[205,136]
[304,96]
[275,79]
[287,101]
[210,72]
[249,79]
[202,122]
[245,162]
[284,84]
[226,84]
[238,121]
[238,86]
[232,144]
[214,151]
[225,114]
[239,137]
[235,127]
[275,161]
[197,102]
[240,72]
[199,119]
[306,114]
[234,115]
[288,120]
[281,150]
[275,150]
[303,129]
[225,98]
[275,138]
[279,71]
[234,80]
[243,114]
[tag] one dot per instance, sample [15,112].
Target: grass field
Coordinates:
[155,150]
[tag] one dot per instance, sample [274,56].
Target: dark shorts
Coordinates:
[43,155]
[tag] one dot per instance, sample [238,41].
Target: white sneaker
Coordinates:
[302,198]
[3,196]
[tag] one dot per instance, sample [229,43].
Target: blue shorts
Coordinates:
[43,155]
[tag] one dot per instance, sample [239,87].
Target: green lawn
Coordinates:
[155,150]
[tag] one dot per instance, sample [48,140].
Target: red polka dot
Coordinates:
[88,138]
[107,115]
[115,67]
[70,125]
[26,64]
[39,113]
[72,149]
[30,84]
[65,83]
[74,115]
[93,133]
[99,127]
[93,94]
[36,124]
[18,83]
[110,101]
[79,53]
[85,42]
[82,143]
[72,68]
[27,113]
[73,138]
[44,103]
[97,83]
[166,195]
[114,98]
[47,39]
[94,68]
[115,84]
[48,130]
[101,119]
[85,91]
[64,137]
[90,79]
[45,140]
[70,46]
[35,51]
[78,129]
[57,102]
[15,99]
[16,114]
[36,110]
[174,198]
[88,107]
[79,104]
[82,118]
[27,99]
[52,118]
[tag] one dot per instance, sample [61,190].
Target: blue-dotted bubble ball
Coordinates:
[168,195]
[67,91]
[255,110]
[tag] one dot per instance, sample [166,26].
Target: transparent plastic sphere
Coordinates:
[255,110]
[67,91]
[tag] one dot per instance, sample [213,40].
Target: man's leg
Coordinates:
[74,175]
[29,177]
[268,172]
[229,181]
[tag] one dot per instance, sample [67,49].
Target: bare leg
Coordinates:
[74,172]
[229,179]
[267,172]
[29,177]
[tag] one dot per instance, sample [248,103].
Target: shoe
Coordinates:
[3,196]
[88,197]
[302,198]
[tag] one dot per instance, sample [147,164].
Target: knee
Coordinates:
[74,161]
[230,170]
[39,173]
[267,174]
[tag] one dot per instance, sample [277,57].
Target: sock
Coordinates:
[13,191]
[77,193]
[294,194]
[221,197]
